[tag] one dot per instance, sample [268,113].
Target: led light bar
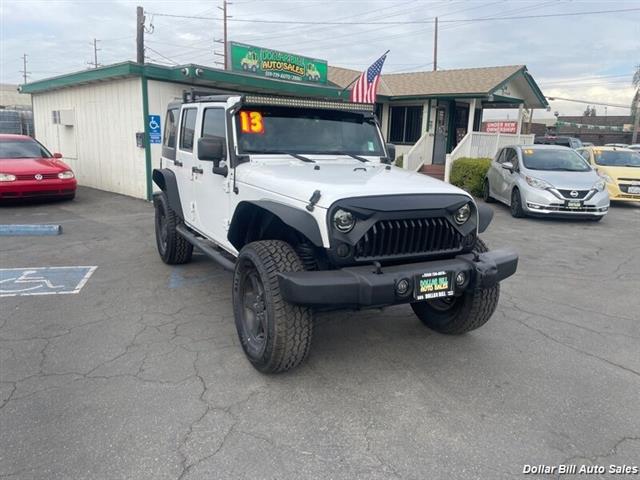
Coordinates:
[307,103]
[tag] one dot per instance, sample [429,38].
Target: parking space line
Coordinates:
[29,230]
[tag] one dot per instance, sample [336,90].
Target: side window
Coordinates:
[585,155]
[188,128]
[511,156]
[213,123]
[170,128]
[501,156]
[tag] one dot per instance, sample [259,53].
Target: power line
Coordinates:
[588,102]
[161,55]
[405,22]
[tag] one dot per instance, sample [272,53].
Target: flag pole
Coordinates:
[355,79]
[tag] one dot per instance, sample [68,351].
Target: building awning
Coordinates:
[190,75]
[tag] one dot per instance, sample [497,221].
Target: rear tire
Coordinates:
[275,335]
[458,315]
[486,192]
[173,248]
[516,204]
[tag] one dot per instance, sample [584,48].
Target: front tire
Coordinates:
[458,315]
[173,248]
[486,192]
[275,335]
[516,204]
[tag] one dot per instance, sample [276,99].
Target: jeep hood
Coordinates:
[336,179]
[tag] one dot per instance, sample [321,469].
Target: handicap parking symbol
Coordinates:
[155,136]
[43,280]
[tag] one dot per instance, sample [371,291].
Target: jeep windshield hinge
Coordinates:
[313,200]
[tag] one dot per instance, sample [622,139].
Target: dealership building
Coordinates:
[107,122]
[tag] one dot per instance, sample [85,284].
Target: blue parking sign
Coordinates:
[155,134]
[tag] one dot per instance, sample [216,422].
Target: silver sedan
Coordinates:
[546,180]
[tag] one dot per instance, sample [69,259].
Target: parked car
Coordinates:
[28,170]
[571,142]
[587,144]
[635,147]
[546,180]
[310,215]
[619,167]
[617,145]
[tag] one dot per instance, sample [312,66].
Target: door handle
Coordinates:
[197,170]
[177,163]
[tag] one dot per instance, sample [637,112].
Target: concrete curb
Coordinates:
[29,230]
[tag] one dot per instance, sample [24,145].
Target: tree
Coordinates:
[590,111]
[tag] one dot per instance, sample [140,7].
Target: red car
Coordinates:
[28,170]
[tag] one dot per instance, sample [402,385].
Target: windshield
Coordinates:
[552,159]
[612,158]
[292,130]
[22,149]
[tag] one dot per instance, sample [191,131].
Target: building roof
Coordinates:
[463,82]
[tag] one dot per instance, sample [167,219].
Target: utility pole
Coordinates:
[435,46]
[224,42]
[139,35]
[24,72]
[95,63]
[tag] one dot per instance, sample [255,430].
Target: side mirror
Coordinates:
[391,152]
[211,149]
[57,155]
[508,166]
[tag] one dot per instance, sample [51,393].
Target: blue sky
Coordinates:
[587,57]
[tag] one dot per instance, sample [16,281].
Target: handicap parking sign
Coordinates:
[43,280]
[155,135]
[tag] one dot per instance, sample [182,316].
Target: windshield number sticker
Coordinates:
[251,122]
[528,152]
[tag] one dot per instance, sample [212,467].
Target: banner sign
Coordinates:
[269,63]
[500,127]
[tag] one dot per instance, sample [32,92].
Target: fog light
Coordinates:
[403,286]
[343,250]
[461,278]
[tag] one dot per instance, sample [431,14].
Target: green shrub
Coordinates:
[468,174]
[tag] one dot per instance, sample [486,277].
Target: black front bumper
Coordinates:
[365,287]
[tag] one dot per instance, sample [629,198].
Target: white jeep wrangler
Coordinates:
[298,198]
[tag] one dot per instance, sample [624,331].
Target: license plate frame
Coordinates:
[574,204]
[433,285]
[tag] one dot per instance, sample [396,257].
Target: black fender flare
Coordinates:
[297,219]
[485,215]
[166,180]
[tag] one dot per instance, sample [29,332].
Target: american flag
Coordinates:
[364,91]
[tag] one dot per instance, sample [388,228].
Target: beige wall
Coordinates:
[101,145]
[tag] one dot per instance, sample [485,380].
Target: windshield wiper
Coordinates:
[294,155]
[352,155]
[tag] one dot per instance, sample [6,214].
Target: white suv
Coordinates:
[299,199]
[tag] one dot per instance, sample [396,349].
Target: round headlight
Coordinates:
[462,214]
[343,220]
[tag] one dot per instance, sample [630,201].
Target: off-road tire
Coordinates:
[287,328]
[486,192]
[516,204]
[467,312]
[173,248]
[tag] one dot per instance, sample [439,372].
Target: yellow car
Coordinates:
[619,167]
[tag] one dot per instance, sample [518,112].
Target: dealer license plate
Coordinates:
[431,285]
[634,190]
[574,204]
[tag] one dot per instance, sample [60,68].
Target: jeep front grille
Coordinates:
[388,238]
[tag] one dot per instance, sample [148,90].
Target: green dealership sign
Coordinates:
[276,64]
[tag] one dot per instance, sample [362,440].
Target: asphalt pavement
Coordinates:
[139,374]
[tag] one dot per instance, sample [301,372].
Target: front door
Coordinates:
[442,132]
[211,190]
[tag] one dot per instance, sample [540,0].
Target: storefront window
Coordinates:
[405,124]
